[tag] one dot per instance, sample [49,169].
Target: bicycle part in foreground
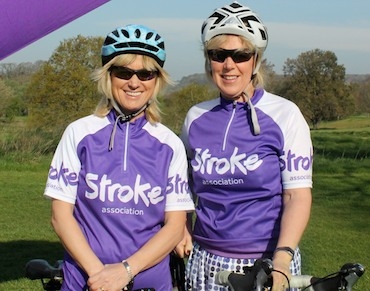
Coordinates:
[51,276]
[258,277]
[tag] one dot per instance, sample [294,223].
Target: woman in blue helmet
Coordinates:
[252,175]
[118,179]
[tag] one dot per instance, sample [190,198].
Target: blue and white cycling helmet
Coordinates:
[238,20]
[135,39]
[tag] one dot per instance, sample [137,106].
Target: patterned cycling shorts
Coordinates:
[202,267]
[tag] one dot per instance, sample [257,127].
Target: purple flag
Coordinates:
[25,21]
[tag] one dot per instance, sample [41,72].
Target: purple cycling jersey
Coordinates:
[239,177]
[120,196]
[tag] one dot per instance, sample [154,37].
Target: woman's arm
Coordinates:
[296,214]
[72,238]
[185,246]
[157,248]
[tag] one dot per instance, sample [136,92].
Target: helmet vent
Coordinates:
[125,33]
[263,34]
[149,35]
[137,33]
[161,45]
[109,41]
[219,17]
[115,33]
[235,5]
[246,20]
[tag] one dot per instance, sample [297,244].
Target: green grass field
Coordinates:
[25,221]
[338,232]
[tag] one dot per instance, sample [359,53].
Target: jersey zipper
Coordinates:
[125,154]
[228,126]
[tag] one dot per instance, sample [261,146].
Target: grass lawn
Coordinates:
[25,221]
[339,228]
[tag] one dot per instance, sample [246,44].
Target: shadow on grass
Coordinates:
[15,254]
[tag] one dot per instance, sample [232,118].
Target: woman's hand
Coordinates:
[281,263]
[113,277]
[185,246]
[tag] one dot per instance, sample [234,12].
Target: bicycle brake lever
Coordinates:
[352,273]
[263,274]
[353,268]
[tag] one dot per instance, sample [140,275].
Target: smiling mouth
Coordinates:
[133,94]
[227,77]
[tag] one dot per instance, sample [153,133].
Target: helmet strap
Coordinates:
[257,64]
[253,114]
[123,118]
[127,117]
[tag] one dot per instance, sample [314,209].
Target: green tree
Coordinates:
[175,106]
[271,80]
[362,96]
[61,90]
[8,102]
[316,83]
[17,77]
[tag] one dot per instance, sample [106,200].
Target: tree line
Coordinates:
[50,94]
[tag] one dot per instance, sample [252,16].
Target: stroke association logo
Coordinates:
[204,162]
[296,163]
[63,174]
[103,188]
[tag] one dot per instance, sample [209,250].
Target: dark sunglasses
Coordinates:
[238,56]
[126,73]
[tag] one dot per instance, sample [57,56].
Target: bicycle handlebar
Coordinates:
[345,278]
[41,269]
[255,278]
[259,276]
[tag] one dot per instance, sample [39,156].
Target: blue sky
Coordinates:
[294,26]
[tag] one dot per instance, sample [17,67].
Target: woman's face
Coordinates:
[232,78]
[132,94]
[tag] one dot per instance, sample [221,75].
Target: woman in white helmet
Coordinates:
[251,161]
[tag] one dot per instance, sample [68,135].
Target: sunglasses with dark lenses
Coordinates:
[238,56]
[126,73]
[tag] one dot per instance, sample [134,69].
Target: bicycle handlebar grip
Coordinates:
[235,281]
[256,277]
[301,281]
[222,277]
[41,269]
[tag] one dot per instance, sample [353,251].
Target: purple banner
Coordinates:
[25,21]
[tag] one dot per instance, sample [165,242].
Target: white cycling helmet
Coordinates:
[238,20]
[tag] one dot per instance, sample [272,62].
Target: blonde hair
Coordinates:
[217,41]
[103,79]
